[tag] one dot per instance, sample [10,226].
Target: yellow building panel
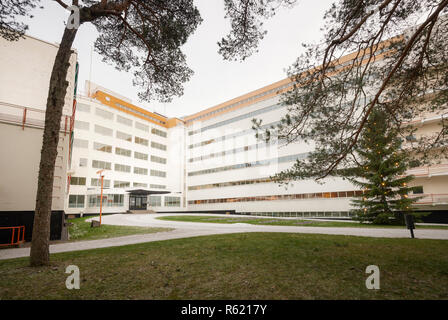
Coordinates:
[113,102]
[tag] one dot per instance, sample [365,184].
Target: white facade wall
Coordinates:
[25,70]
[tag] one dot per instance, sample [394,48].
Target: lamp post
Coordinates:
[100,172]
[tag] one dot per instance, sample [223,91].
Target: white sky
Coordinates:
[215,80]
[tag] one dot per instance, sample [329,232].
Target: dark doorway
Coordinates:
[137,202]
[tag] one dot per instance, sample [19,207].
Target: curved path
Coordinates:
[194,229]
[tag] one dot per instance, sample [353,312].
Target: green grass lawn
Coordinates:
[81,230]
[240,266]
[286,222]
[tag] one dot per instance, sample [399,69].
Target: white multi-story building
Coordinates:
[142,154]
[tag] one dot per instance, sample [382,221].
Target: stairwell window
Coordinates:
[76,201]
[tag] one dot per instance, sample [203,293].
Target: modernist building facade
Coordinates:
[141,154]
[208,161]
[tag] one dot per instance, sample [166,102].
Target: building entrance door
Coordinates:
[137,202]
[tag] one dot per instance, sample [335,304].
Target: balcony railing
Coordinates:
[434,199]
[434,170]
[31,117]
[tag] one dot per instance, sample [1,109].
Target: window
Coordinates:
[141,156]
[139,184]
[101,164]
[122,168]
[124,121]
[142,126]
[103,130]
[124,136]
[123,152]
[80,143]
[157,186]
[76,201]
[158,146]
[121,184]
[158,159]
[172,201]
[82,125]
[96,182]
[418,190]
[102,147]
[78,181]
[141,141]
[238,118]
[411,138]
[158,132]
[109,200]
[155,201]
[156,173]
[142,171]
[82,162]
[82,107]
[104,114]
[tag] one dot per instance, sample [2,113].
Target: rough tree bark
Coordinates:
[40,254]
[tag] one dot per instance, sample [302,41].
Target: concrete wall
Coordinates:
[25,70]
[19,165]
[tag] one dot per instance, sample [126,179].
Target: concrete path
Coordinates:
[194,229]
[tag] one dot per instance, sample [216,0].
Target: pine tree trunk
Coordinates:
[40,254]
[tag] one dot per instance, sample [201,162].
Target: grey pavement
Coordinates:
[194,229]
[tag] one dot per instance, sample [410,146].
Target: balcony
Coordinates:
[30,117]
[429,171]
[431,199]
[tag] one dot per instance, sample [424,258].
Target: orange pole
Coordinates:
[24,119]
[101,199]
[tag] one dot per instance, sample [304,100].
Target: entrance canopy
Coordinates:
[145,192]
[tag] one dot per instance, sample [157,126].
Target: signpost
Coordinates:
[100,172]
[409,218]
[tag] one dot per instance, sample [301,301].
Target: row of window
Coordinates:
[229,184]
[234,151]
[116,200]
[238,118]
[231,136]
[122,136]
[109,200]
[318,195]
[126,152]
[97,164]
[128,122]
[267,162]
[96,182]
[339,194]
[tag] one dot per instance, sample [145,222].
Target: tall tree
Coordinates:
[143,36]
[398,63]
[381,173]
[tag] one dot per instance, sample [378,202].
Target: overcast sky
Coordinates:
[214,80]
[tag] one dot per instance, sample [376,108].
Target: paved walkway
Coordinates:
[194,229]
